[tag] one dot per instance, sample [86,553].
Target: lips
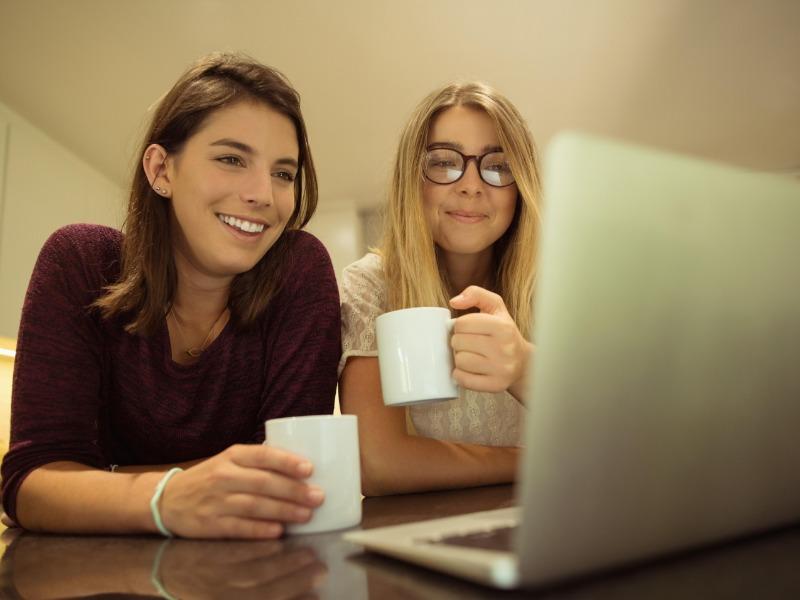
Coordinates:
[465,216]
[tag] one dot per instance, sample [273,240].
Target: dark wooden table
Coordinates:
[324,566]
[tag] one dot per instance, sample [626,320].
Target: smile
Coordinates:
[465,216]
[241,224]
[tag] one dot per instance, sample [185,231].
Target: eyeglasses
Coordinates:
[446,165]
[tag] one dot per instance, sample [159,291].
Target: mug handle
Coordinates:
[450,324]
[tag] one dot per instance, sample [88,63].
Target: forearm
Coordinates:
[395,462]
[158,468]
[66,497]
[407,463]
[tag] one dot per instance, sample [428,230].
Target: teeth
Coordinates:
[241,224]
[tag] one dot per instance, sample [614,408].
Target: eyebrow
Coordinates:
[460,147]
[249,150]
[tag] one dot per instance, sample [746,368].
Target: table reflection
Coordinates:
[325,566]
[36,566]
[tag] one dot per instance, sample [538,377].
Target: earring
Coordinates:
[147,156]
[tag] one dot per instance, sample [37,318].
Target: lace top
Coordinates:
[474,417]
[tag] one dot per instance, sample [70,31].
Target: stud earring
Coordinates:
[147,156]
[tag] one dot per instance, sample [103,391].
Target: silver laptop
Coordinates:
[665,403]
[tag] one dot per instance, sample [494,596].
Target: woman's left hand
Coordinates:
[489,351]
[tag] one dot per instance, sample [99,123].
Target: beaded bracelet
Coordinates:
[157,496]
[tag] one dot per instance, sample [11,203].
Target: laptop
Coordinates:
[664,407]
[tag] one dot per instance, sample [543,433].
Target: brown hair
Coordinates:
[408,251]
[145,289]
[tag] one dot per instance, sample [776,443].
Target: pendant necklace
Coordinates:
[196,351]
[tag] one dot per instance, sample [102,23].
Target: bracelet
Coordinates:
[157,496]
[155,574]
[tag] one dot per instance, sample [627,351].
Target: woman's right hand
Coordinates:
[246,491]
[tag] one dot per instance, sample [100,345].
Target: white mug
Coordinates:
[330,442]
[414,356]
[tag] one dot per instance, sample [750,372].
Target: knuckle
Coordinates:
[267,482]
[220,474]
[285,511]
[298,492]
[249,506]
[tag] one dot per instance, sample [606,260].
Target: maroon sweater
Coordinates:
[86,391]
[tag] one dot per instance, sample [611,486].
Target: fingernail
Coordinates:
[302,514]
[315,495]
[457,298]
[274,529]
[304,468]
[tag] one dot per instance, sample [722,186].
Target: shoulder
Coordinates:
[369,267]
[363,285]
[82,247]
[85,238]
[308,270]
[306,251]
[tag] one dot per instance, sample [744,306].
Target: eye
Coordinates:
[287,176]
[231,160]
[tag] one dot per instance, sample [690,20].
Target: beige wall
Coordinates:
[45,186]
[338,226]
[6,372]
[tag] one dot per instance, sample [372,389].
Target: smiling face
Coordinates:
[466,217]
[232,189]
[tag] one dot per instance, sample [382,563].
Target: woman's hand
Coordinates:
[490,354]
[246,491]
[241,570]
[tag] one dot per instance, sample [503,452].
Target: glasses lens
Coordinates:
[495,170]
[443,165]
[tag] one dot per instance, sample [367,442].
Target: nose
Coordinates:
[470,183]
[257,190]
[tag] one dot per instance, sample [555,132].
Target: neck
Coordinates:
[464,270]
[199,298]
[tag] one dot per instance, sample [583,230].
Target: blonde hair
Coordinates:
[413,274]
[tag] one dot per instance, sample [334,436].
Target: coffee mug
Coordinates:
[330,443]
[414,356]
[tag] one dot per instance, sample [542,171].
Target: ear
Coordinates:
[154,163]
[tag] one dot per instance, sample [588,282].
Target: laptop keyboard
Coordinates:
[493,539]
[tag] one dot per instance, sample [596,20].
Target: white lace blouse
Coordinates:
[474,417]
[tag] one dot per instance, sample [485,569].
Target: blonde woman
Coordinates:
[460,232]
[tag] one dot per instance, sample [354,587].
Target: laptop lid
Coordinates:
[665,399]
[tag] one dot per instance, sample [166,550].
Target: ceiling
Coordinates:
[715,78]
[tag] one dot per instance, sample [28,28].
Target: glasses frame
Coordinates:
[466,158]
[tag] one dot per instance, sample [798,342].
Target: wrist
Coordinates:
[518,387]
[144,486]
[155,501]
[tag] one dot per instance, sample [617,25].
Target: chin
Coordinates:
[237,268]
[467,249]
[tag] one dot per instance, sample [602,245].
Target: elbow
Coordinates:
[376,478]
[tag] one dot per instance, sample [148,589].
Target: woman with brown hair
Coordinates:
[460,232]
[149,360]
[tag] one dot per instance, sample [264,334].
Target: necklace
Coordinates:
[196,351]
